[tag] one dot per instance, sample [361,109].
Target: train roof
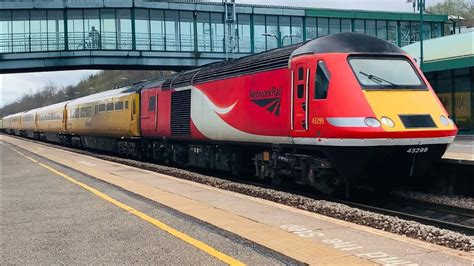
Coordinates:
[52,106]
[107,94]
[94,97]
[347,42]
[12,115]
[29,112]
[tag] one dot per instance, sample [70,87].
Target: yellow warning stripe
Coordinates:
[194,242]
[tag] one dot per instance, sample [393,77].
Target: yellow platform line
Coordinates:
[180,235]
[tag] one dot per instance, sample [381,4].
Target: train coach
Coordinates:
[106,121]
[12,123]
[331,111]
[28,124]
[51,123]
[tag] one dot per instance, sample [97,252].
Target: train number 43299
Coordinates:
[417,150]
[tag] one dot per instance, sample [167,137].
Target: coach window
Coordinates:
[96,110]
[89,111]
[110,106]
[76,113]
[126,104]
[152,104]
[102,107]
[118,106]
[83,112]
[322,81]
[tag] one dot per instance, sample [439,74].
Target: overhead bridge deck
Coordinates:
[137,34]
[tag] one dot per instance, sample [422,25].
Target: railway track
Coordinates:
[449,217]
[439,215]
[443,216]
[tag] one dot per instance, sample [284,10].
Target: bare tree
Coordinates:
[463,8]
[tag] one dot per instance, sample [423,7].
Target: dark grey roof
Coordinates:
[348,42]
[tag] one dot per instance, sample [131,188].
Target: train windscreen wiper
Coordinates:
[377,79]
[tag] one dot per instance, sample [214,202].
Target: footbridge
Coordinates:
[40,35]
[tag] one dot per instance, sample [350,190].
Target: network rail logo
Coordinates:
[270,99]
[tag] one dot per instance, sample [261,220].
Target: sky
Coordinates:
[14,86]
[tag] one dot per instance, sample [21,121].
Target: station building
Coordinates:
[449,67]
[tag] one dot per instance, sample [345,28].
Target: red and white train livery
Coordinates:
[329,111]
[349,102]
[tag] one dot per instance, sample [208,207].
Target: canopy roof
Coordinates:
[448,52]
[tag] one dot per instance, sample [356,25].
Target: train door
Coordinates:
[64,120]
[150,112]
[300,78]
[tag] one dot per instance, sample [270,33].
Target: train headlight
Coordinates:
[451,120]
[372,122]
[444,120]
[387,121]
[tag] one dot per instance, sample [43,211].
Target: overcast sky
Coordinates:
[13,86]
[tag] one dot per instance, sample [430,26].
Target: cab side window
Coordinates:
[300,87]
[152,104]
[300,73]
[321,85]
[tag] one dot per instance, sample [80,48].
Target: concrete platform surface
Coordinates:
[45,219]
[461,150]
[301,235]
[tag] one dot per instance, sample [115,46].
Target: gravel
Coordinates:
[332,209]
[457,201]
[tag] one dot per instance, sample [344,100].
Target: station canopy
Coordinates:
[447,52]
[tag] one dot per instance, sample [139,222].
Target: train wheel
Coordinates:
[276,179]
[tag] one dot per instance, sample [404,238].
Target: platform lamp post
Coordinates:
[419,5]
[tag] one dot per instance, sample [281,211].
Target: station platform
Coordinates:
[461,151]
[133,215]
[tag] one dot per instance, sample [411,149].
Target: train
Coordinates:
[329,112]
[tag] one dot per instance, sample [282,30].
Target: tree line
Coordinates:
[462,8]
